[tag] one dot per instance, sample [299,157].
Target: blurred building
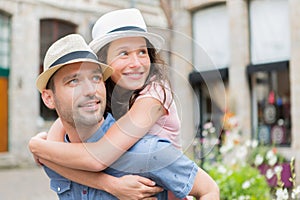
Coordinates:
[246,58]
[240,56]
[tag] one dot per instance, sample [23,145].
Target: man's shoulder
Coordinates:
[108,117]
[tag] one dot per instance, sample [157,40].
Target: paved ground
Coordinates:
[25,184]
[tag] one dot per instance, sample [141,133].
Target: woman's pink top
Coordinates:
[167,126]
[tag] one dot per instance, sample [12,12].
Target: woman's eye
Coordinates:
[123,53]
[143,52]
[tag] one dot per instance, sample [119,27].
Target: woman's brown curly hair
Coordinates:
[158,73]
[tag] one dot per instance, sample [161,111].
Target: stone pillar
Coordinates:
[23,102]
[181,66]
[239,97]
[294,7]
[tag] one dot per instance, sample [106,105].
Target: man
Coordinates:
[72,84]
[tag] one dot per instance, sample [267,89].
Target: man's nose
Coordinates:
[89,88]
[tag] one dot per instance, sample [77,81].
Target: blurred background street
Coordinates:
[25,184]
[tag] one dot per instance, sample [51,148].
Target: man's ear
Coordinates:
[47,96]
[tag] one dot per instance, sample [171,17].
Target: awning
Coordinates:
[197,77]
[268,67]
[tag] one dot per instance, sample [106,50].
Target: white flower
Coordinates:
[246,185]
[297,189]
[233,121]
[254,143]
[295,192]
[208,125]
[270,154]
[271,157]
[226,147]
[282,194]
[269,173]
[204,133]
[241,152]
[223,149]
[278,169]
[247,197]
[222,169]
[259,159]
[272,161]
[248,143]
[212,130]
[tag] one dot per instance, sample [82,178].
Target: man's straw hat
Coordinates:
[69,49]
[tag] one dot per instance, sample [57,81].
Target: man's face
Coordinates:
[79,96]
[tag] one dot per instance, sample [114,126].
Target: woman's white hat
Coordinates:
[69,49]
[119,24]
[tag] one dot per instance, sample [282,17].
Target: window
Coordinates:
[50,31]
[5,49]
[211,35]
[270,32]
[209,86]
[210,78]
[269,71]
[271,103]
[211,59]
[5,40]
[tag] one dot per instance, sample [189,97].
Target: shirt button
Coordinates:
[84,191]
[58,189]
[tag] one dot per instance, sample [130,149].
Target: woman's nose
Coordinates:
[135,60]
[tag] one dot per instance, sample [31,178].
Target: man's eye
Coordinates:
[73,82]
[97,78]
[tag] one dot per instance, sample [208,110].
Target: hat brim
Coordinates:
[44,77]
[156,40]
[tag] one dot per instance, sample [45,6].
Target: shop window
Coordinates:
[271,103]
[210,78]
[50,31]
[210,89]
[269,72]
[211,59]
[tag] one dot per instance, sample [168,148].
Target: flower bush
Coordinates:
[270,163]
[244,169]
[237,168]
[235,177]
[260,154]
[239,182]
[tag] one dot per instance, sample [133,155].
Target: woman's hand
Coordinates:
[132,187]
[39,136]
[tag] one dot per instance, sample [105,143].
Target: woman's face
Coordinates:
[130,60]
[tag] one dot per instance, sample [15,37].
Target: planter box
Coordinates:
[285,174]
